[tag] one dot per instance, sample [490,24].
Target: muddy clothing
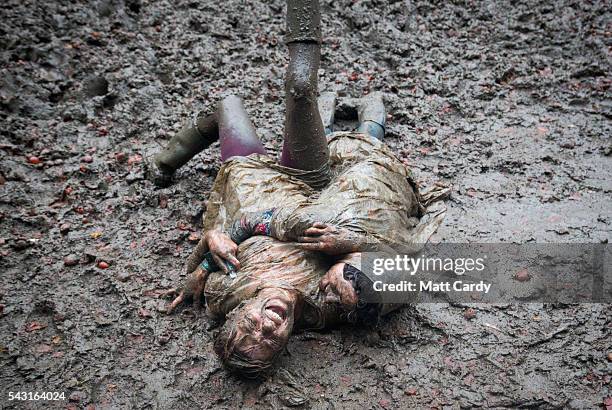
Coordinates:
[371,193]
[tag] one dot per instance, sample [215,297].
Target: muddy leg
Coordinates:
[236,132]
[186,144]
[305,145]
[372,115]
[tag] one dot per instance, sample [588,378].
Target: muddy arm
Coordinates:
[337,240]
[197,255]
[215,251]
[192,289]
[252,223]
[293,225]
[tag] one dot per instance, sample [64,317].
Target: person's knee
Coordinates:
[301,83]
[301,80]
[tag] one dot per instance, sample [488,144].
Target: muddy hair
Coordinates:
[233,360]
[364,313]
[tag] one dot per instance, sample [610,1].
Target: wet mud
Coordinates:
[507,101]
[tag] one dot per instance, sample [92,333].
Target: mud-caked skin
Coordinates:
[304,132]
[332,240]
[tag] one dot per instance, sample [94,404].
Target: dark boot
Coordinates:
[186,144]
[327,110]
[372,115]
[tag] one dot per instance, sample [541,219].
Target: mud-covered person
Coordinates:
[282,242]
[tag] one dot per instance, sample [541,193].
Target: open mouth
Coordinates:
[276,313]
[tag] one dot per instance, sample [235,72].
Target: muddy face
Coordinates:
[264,324]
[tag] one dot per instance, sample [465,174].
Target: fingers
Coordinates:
[233,260]
[315,231]
[318,229]
[308,239]
[310,246]
[179,299]
[169,293]
[223,250]
[220,263]
[221,259]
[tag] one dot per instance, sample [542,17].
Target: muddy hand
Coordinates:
[329,239]
[223,250]
[338,289]
[192,290]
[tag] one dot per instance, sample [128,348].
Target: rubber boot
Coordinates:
[186,144]
[372,115]
[327,110]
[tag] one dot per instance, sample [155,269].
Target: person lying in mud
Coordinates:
[282,242]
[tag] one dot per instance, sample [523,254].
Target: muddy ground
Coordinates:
[507,101]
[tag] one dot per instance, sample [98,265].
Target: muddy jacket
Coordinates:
[371,193]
